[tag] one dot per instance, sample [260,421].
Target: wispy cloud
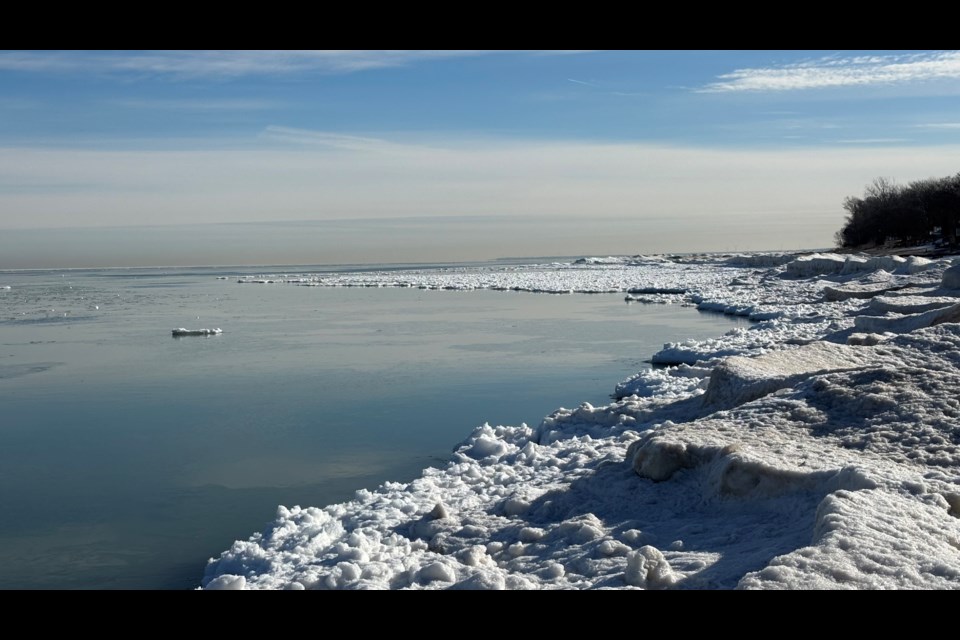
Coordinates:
[938,125]
[837,71]
[328,139]
[583,82]
[873,140]
[228,104]
[221,63]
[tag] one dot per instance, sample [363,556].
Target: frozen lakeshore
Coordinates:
[820,447]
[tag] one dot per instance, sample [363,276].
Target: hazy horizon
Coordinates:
[126,158]
[344,242]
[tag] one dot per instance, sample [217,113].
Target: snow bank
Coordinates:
[907,304]
[739,379]
[621,260]
[796,453]
[904,323]
[818,264]
[856,291]
[755,260]
[815,265]
[871,540]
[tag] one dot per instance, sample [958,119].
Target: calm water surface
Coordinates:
[127,457]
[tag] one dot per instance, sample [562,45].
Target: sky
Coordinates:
[125,158]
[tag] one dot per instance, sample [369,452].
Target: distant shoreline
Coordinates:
[921,251]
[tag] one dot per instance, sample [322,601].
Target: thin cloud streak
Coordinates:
[199,105]
[874,140]
[308,137]
[222,63]
[840,72]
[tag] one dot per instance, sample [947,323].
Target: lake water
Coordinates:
[128,457]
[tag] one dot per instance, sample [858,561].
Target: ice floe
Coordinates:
[177,333]
[817,448]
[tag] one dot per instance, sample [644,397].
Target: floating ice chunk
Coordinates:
[662,290]
[196,332]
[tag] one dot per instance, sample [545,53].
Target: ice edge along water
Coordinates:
[820,447]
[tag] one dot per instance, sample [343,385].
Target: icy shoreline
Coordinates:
[820,447]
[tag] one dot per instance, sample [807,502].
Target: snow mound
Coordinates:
[648,568]
[917,264]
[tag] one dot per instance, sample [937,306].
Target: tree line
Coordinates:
[900,215]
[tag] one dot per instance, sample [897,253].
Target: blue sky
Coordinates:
[682,150]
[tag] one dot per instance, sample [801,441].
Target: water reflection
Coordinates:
[128,458]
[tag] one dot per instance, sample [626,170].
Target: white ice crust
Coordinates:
[818,448]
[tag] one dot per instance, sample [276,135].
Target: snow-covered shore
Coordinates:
[820,447]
